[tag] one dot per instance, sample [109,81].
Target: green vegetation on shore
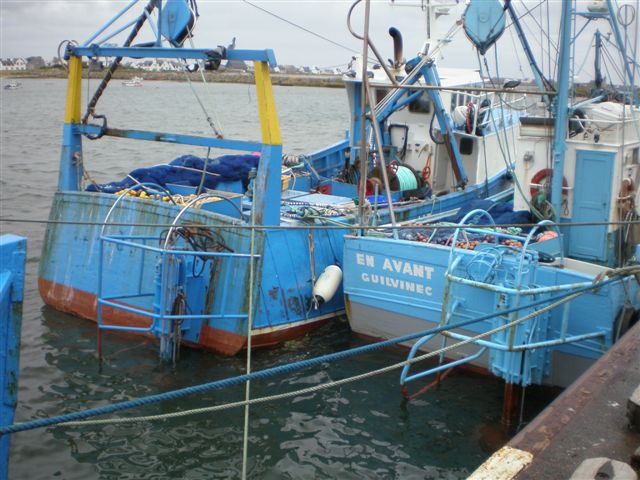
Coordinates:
[226,76]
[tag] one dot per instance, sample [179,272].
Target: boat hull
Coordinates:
[70,268]
[395,288]
[69,273]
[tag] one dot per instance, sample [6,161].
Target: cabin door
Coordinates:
[591,203]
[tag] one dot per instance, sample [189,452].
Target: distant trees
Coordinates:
[35,62]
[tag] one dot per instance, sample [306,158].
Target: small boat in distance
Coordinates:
[133,82]
[13,85]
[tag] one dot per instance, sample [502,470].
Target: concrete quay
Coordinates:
[591,431]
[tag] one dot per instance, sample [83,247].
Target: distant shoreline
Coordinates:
[283,79]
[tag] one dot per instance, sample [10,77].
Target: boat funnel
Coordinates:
[397,47]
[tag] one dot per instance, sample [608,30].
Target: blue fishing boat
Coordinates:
[13,256]
[540,298]
[206,250]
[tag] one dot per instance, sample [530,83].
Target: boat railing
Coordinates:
[487,110]
[528,325]
[165,319]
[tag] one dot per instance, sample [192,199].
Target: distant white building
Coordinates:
[154,66]
[13,64]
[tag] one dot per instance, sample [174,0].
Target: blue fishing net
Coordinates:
[502,213]
[187,170]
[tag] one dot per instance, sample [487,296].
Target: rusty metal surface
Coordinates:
[588,419]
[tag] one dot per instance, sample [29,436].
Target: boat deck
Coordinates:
[587,420]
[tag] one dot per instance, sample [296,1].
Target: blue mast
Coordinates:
[541,81]
[627,64]
[561,109]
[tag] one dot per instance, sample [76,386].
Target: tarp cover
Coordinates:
[187,170]
[502,213]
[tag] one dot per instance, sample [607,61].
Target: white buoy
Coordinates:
[326,286]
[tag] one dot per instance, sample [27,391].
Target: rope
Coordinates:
[350,226]
[301,27]
[406,179]
[210,121]
[247,392]
[216,120]
[287,368]
[336,383]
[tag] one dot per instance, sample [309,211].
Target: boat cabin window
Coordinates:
[422,104]
[459,99]
[466,146]
[381,93]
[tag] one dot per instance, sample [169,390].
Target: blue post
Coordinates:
[562,109]
[446,125]
[619,41]
[13,251]
[541,81]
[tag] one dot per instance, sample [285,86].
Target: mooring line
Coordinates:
[287,368]
[344,226]
[344,381]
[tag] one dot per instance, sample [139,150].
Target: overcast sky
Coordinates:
[36,27]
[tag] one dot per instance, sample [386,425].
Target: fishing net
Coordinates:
[187,170]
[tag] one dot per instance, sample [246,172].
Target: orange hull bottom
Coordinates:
[83,304]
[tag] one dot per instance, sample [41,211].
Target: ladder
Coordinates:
[168,263]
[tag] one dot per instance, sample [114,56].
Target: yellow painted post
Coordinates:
[74,90]
[266,105]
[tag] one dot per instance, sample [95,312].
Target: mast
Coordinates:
[561,109]
[621,46]
[541,81]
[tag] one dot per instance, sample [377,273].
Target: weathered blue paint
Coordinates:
[283,272]
[71,170]
[13,252]
[169,138]
[83,265]
[268,181]
[591,203]
[94,50]
[561,107]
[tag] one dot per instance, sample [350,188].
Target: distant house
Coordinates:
[289,69]
[12,64]
[167,66]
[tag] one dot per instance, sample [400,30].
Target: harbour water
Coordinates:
[360,430]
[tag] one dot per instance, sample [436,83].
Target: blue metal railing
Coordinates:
[168,259]
[529,337]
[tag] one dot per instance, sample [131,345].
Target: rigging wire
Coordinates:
[348,226]
[215,123]
[247,392]
[529,12]
[504,149]
[300,27]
